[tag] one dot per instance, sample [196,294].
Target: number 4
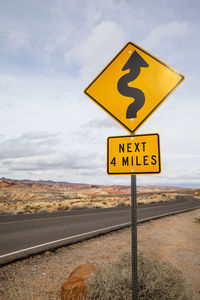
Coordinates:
[113,161]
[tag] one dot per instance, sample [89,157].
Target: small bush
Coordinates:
[197,220]
[156,280]
[122,204]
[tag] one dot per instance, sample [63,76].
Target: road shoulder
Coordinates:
[174,238]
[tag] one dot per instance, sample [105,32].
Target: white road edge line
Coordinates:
[65,239]
[167,214]
[98,230]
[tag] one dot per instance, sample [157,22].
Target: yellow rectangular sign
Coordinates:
[137,154]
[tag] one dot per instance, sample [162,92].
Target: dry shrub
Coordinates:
[197,220]
[15,286]
[80,205]
[156,280]
[98,205]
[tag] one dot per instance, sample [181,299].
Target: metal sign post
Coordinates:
[134,238]
[149,82]
[133,154]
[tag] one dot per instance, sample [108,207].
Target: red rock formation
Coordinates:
[75,286]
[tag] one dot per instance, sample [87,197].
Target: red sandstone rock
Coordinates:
[75,286]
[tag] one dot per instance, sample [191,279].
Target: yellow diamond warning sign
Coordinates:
[138,154]
[133,85]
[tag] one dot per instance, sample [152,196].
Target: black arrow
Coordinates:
[134,63]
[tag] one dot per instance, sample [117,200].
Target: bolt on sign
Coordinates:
[133,85]
[138,154]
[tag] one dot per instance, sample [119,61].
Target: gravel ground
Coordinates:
[175,238]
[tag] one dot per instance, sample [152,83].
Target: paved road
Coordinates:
[23,235]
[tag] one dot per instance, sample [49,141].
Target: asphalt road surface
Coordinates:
[24,235]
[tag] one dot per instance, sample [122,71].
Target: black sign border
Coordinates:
[163,99]
[134,173]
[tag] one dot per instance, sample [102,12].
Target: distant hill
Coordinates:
[37,181]
[168,186]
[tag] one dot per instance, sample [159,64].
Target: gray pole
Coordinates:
[134,238]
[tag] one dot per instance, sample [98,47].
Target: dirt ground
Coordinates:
[175,238]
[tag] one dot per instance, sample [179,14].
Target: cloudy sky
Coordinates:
[51,50]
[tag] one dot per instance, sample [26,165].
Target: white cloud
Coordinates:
[66,44]
[99,123]
[18,40]
[95,51]
[165,33]
[93,13]
[55,161]
[14,34]
[29,144]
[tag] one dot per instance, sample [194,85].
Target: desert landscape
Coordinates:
[174,239]
[22,197]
